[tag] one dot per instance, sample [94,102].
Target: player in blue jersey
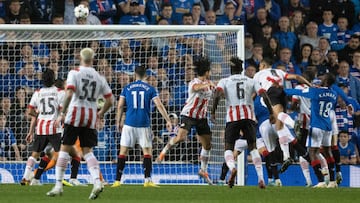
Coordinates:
[323,100]
[137,97]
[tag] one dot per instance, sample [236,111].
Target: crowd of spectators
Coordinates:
[323,35]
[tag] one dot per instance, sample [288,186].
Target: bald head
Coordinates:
[87,56]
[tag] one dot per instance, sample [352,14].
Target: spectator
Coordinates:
[297,23]
[187,19]
[255,25]
[125,6]
[11,51]
[106,148]
[318,61]
[123,79]
[333,62]
[134,17]
[351,82]
[179,8]
[317,8]
[105,10]
[323,47]
[166,12]
[286,38]
[292,7]
[145,50]
[42,11]
[57,19]
[180,93]
[127,63]
[163,78]
[250,9]
[104,68]
[14,11]
[19,120]
[152,11]
[328,29]
[348,151]
[311,36]
[196,13]
[24,19]
[304,57]
[231,16]
[272,49]
[8,81]
[257,56]
[343,34]
[40,52]
[355,67]
[8,148]
[267,32]
[5,104]
[356,27]
[210,18]
[29,78]
[345,8]
[249,44]
[347,52]
[27,57]
[271,7]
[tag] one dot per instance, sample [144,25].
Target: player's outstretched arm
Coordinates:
[218,94]
[163,112]
[299,78]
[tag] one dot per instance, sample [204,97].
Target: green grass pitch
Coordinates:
[11,193]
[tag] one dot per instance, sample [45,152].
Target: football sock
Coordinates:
[224,170]
[331,164]
[258,164]
[229,159]
[283,140]
[60,167]
[75,163]
[29,166]
[168,146]
[300,149]
[120,166]
[93,166]
[42,165]
[204,158]
[336,154]
[317,169]
[147,164]
[304,164]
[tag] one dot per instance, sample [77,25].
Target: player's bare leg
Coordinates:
[205,141]
[180,137]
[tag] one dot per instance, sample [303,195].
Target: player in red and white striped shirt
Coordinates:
[238,91]
[45,105]
[270,82]
[84,86]
[194,113]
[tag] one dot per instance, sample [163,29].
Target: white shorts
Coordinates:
[240,145]
[268,135]
[136,135]
[318,138]
[260,143]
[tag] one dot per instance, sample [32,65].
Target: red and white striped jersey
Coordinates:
[197,103]
[304,113]
[47,102]
[265,78]
[88,85]
[238,90]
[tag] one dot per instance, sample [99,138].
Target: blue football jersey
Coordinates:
[261,112]
[323,100]
[138,97]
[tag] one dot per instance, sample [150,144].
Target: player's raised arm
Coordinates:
[299,78]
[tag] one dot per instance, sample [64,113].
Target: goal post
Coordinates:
[167,51]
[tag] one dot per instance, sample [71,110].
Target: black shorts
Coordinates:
[277,96]
[247,126]
[41,141]
[201,125]
[87,136]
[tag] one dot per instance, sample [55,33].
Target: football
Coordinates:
[81,11]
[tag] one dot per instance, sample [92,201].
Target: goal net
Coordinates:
[167,51]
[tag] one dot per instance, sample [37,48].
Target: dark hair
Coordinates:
[165,5]
[202,65]
[59,83]
[309,75]
[140,71]
[196,4]
[187,15]
[236,65]
[344,131]
[329,79]
[57,15]
[48,77]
